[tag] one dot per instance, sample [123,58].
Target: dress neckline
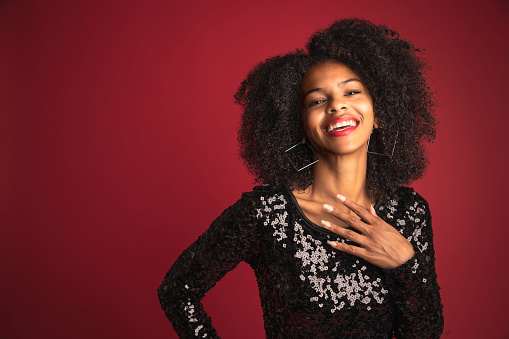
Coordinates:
[310,223]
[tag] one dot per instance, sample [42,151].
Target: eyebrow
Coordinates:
[321,89]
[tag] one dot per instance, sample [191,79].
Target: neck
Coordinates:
[345,174]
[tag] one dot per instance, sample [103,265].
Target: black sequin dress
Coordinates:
[307,288]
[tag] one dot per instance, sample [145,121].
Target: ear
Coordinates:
[375,121]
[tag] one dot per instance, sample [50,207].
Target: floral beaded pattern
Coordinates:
[277,219]
[320,266]
[415,213]
[307,288]
[333,284]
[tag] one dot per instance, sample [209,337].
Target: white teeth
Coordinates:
[341,124]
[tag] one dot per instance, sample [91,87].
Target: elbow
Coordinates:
[170,294]
[164,295]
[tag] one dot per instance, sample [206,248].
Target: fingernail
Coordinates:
[332,243]
[326,224]
[328,207]
[340,197]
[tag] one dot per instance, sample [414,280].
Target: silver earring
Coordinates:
[300,151]
[385,154]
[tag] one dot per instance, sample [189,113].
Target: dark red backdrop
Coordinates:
[118,149]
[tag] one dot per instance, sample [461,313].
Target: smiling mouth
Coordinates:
[341,126]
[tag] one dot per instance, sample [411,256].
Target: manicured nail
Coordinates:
[372,209]
[326,224]
[328,207]
[332,243]
[340,197]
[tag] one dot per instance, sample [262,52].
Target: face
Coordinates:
[337,110]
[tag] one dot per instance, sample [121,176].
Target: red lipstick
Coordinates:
[343,131]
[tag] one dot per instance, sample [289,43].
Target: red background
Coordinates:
[118,148]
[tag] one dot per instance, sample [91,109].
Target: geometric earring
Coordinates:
[372,151]
[300,151]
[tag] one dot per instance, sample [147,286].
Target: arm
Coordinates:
[229,240]
[414,287]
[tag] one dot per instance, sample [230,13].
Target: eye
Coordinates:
[352,92]
[316,102]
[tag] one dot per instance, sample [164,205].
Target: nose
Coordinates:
[336,105]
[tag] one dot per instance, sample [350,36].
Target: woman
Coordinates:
[339,248]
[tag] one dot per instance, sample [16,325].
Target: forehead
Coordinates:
[330,71]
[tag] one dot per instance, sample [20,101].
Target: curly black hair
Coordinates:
[395,75]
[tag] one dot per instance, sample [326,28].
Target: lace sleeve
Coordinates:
[414,288]
[229,240]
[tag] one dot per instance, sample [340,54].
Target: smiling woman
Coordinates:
[337,110]
[339,249]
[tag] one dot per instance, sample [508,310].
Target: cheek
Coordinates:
[311,122]
[368,113]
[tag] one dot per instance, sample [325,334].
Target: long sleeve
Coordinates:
[414,288]
[230,239]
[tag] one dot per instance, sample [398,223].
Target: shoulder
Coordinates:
[265,193]
[248,209]
[407,199]
[266,199]
[406,208]
[251,202]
